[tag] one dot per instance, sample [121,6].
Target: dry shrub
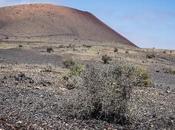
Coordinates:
[115,49]
[127,52]
[150,56]
[164,52]
[68,63]
[102,92]
[106,59]
[49,49]
[169,70]
[20,46]
[87,46]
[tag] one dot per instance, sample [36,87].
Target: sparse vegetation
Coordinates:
[20,46]
[68,63]
[49,49]
[76,69]
[115,49]
[142,78]
[71,46]
[106,59]
[47,69]
[87,46]
[6,37]
[61,46]
[127,52]
[150,56]
[164,52]
[56,75]
[102,92]
[169,71]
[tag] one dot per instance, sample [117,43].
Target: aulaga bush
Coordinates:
[76,70]
[103,91]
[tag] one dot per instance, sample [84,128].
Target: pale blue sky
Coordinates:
[147,23]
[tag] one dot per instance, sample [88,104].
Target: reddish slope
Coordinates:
[48,20]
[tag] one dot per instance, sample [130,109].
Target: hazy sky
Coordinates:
[147,23]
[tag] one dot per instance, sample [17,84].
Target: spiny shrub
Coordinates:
[6,37]
[169,71]
[127,52]
[76,70]
[102,92]
[142,78]
[164,52]
[87,46]
[20,46]
[61,46]
[49,49]
[68,63]
[115,49]
[150,56]
[71,46]
[106,59]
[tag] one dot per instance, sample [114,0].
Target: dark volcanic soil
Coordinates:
[32,88]
[21,56]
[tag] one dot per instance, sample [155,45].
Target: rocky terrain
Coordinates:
[32,86]
[35,71]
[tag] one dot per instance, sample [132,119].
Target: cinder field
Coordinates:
[32,85]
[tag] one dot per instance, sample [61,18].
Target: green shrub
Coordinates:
[142,78]
[106,59]
[70,79]
[103,91]
[76,70]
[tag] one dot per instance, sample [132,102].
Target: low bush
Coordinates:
[61,46]
[150,56]
[87,46]
[115,49]
[71,46]
[142,78]
[169,71]
[127,52]
[6,37]
[102,92]
[164,52]
[20,46]
[49,49]
[76,70]
[106,59]
[68,63]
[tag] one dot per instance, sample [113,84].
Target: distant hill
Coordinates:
[46,20]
